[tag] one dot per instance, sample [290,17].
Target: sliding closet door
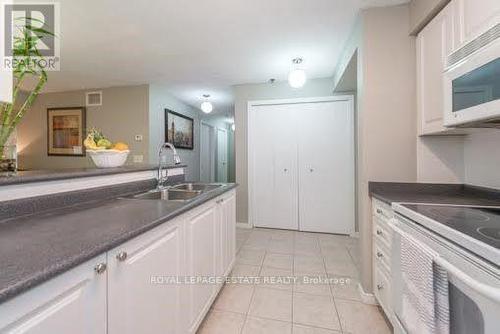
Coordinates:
[273,141]
[326,167]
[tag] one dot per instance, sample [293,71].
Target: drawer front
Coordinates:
[382,256]
[382,210]
[382,288]
[382,232]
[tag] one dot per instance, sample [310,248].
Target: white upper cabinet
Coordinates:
[434,43]
[5,86]
[74,302]
[139,300]
[475,17]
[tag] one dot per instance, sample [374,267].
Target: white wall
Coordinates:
[440,159]
[266,91]
[159,100]
[482,158]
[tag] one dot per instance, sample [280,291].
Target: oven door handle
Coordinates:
[484,289]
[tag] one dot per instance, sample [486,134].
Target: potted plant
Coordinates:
[25,67]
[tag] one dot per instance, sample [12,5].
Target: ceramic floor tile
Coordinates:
[316,311]
[240,270]
[255,325]
[271,304]
[344,287]
[250,256]
[359,318]
[314,284]
[280,246]
[308,264]
[341,267]
[234,298]
[281,261]
[335,252]
[300,329]
[274,278]
[283,235]
[217,322]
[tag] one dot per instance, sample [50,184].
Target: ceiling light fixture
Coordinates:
[206,106]
[297,77]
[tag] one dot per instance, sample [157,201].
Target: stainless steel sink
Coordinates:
[169,195]
[204,187]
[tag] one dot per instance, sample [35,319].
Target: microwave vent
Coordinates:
[488,37]
[488,124]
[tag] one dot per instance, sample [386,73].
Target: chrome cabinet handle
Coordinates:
[379,211]
[379,232]
[100,268]
[311,170]
[285,170]
[380,286]
[380,255]
[122,256]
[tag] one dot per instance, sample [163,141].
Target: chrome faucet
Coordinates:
[177,160]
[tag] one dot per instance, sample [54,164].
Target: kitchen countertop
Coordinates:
[37,247]
[458,194]
[42,175]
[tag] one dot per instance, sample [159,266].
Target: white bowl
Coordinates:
[108,158]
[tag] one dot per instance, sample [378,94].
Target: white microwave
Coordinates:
[472,83]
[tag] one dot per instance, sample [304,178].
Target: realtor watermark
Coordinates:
[30,36]
[250,280]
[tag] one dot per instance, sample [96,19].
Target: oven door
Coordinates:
[472,88]
[474,285]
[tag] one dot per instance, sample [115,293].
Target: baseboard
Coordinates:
[243,225]
[354,235]
[367,298]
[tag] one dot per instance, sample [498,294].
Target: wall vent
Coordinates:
[488,37]
[94,99]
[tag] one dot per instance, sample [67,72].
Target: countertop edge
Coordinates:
[37,279]
[56,175]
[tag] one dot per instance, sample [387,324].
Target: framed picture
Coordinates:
[66,131]
[179,130]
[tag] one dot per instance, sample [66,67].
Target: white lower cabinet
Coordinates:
[74,302]
[129,289]
[141,298]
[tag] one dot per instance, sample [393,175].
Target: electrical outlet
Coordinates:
[138,137]
[138,158]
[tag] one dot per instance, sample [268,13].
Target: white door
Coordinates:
[201,262]
[138,302]
[74,302]
[221,155]
[207,151]
[326,167]
[273,147]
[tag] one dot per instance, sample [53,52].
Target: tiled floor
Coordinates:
[331,305]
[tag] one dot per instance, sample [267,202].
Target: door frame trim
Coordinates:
[256,103]
[217,153]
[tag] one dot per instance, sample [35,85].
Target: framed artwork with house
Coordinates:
[179,130]
[66,131]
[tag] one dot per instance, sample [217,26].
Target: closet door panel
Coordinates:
[326,167]
[274,150]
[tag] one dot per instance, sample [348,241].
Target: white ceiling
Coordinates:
[199,46]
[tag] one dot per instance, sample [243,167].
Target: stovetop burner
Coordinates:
[490,232]
[482,224]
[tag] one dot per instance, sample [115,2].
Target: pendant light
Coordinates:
[297,76]
[206,106]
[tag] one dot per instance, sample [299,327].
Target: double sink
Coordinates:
[181,192]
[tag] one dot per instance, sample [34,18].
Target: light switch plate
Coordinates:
[138,158]
[138,137]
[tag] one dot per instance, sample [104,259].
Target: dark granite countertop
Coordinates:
[43,175]
[37,247]
[458,194]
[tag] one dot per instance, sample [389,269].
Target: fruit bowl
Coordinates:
[108,158]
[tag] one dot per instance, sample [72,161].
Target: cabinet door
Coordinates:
[139,298]
[201,262]
[273,173]
[74,302]
[434,44]
[475,17]
[326,166]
